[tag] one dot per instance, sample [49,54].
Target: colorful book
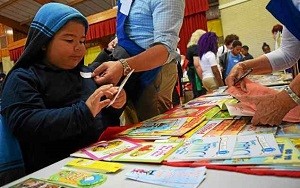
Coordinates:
[236,127]
[212,112]
[177,177]
[95,166]
[187,112]
[258,145]
[291,130]
[223,115]
[250,129]
[206,148]
[220,128]
[152,152]
[37,183]
[78,178]
[206,128]
[164,127]
[106,149]
[290,155]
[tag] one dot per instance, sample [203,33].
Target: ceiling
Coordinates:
[18,14]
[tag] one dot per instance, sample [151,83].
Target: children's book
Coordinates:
[164,127]
[250,129]
[223,115]
[212,112]
[210,101]
[187,112]
[78,178]
[94,166]
[220,128]
[37,183]
[291,130]
[177,177]
[106,149]
[290,155]
[258,145]
[152,152]
[236,127]
[203,130]
[204,149]
[239,109]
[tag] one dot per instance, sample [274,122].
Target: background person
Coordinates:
[147,42]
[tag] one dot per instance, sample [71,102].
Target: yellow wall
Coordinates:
[215,26]
[250,20]
[91,54]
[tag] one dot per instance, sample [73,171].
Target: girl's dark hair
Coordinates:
[208,42]
[277,28]
[230,38]
[265,45]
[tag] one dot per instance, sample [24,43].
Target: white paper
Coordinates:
[121,87]
[125,6]
[86,74]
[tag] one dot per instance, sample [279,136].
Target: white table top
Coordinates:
[214,178]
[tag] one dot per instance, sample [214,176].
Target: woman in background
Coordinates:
[191,55]
[210,72]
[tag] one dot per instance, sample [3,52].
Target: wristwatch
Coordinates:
[292,94]
[126,67]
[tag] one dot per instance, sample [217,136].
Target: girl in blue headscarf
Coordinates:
[49,107]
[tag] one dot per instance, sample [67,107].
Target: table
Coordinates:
[214,178]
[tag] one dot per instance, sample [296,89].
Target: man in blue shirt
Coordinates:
[231,58]
[148,34]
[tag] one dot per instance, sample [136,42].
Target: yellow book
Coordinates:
[95,166]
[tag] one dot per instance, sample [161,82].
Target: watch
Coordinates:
[292,94]
[126,67]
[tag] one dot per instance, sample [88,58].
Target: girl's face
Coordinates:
[67,48]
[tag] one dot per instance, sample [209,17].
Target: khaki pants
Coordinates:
[155,99]
[210,84]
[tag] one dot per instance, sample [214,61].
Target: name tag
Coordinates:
[125,6]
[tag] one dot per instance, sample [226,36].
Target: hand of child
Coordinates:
[120,100]
[94,102]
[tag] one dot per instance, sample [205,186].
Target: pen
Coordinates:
[243,76]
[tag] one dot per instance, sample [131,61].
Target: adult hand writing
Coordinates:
[270,109]
[108,73]
[236,72]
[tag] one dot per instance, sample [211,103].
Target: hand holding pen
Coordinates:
[237,74]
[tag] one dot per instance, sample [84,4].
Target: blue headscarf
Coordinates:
[286,12]
[49,19]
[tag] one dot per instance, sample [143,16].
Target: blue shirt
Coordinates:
[156,21]
[232,60]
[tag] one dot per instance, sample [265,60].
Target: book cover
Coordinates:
[95,166]
[152,152]
[220,128]
[223,115]
[187,112]
[291,130]
[212,112]
[250,129]
[236,127]
[78,178]
[107,149]
[290,155]
[206,128]
[37,183]
[177,177]
[164,127]
[258,145]
[204,148]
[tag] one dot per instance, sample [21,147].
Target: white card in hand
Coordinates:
[86,74]
[120,87]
